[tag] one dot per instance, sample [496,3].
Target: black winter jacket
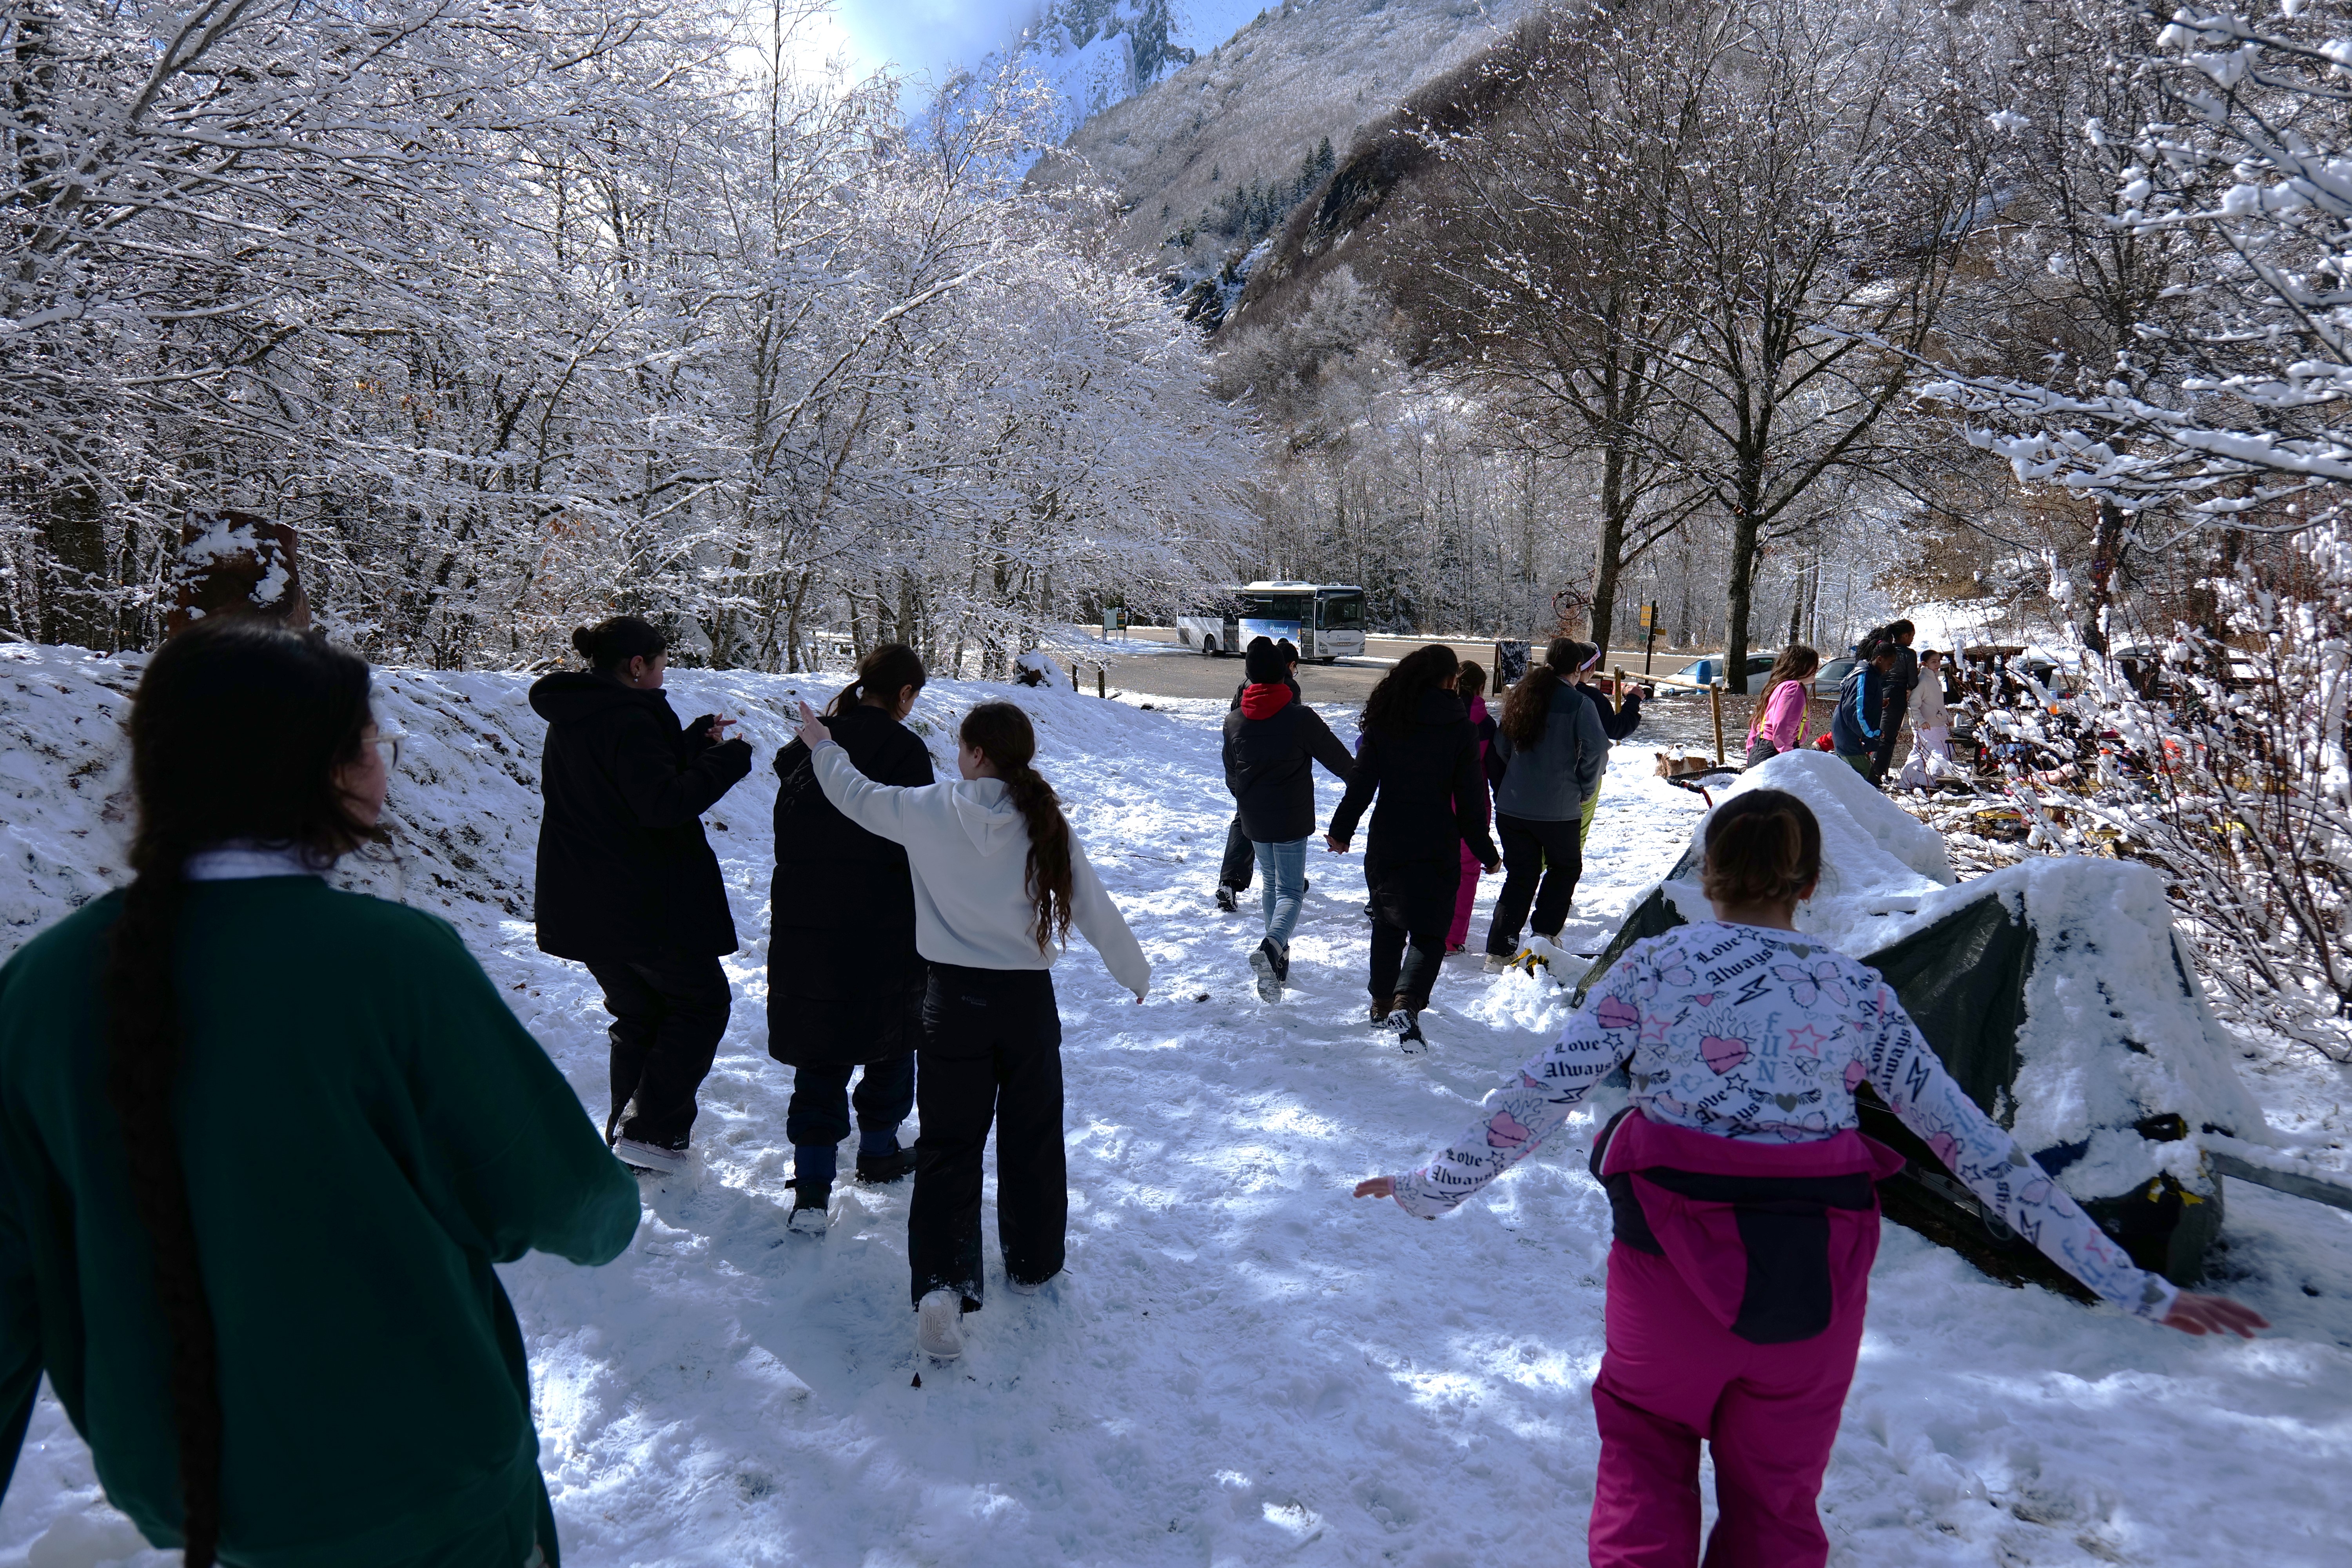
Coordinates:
[1616,722]
[845,982]
[1270,768]
[1428,785]
[624,869]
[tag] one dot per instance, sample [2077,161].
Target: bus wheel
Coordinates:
[1209,647]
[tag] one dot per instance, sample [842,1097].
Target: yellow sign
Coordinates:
[1649,612]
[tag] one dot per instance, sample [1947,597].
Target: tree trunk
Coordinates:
[1611,554]
[75,576]
[2106,544]
[1746,524]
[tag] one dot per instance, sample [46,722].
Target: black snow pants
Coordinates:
[1401,976]
[1241,858]
[991,1054]
[1541,863]
[669,1012]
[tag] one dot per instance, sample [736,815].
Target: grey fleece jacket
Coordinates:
[1550,780]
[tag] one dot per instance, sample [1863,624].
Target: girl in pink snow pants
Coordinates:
[1470,685]
[1744,1202]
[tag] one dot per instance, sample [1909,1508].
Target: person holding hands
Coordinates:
[1742,1191]
[1000,878]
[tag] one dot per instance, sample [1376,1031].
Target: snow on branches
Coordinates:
[2230,402]
[521,314]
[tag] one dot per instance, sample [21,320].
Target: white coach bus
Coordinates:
[1323,620]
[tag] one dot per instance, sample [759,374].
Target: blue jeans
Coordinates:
[1284,866]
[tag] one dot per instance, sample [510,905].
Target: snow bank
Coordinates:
[1242,1366]
[1877,857]
[464,809]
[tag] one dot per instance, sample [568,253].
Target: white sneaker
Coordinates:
[651,1157]
[1496,963]
[939,1325]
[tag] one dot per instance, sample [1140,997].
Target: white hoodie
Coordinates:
[969,850]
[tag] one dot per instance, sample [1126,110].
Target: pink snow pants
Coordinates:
[1458,933]
[1672,1375]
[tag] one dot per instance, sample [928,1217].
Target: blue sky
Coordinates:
[921,37]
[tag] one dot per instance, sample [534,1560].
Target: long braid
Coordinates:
[142,1078]
[239,733]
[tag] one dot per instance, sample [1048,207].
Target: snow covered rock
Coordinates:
[2054,991]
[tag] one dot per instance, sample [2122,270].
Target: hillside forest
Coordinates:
[1773,312]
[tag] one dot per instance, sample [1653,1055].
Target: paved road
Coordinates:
[1162,668]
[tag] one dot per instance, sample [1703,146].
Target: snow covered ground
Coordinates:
[1242,1365]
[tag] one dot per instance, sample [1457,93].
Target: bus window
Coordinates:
[1343,613]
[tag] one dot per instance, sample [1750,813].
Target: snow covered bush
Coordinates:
[2226,769]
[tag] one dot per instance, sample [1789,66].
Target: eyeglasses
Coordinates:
[387,746]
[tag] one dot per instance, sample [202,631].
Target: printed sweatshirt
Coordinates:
[1763,1035]
[968,848]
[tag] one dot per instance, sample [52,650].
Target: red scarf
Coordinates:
[1265,700]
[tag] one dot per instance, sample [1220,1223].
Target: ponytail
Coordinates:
[1525,709]
[882,674]
[1762,848]
[1002,733]
[239,730]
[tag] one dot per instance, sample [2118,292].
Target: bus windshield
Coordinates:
[1278,607]
[1343,613]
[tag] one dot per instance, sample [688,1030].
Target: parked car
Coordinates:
[1831,676]
[1700,672]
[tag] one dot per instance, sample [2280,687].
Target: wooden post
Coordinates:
[1619,670]
[1099,692]
[1074,676]
[1714,700]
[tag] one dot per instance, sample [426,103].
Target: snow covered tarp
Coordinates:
[2055,991]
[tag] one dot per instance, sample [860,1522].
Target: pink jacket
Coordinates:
[1782,721]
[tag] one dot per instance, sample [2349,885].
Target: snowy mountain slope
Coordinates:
[1249,111]
[1242,1365]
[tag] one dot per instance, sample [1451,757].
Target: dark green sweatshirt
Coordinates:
[366,1129]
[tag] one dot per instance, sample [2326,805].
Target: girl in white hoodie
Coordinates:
[999,880]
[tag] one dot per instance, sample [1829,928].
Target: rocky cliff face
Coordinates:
[1222,152]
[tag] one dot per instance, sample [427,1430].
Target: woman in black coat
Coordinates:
[845,982]
[1419,758]
[627,884]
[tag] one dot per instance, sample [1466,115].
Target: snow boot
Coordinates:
[1227,900]
[880,1170]
[1381,1011]
[1028,1286]
[1272,965]
[1406,1020]
[1496,963]
[650,1159]
[939,1325]
[812,1207]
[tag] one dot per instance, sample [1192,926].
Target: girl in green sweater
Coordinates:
[260,1144]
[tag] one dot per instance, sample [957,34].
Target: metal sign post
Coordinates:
[1649,634]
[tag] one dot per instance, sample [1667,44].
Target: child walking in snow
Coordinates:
[1741,1192]
[999,880]
[1931,725]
